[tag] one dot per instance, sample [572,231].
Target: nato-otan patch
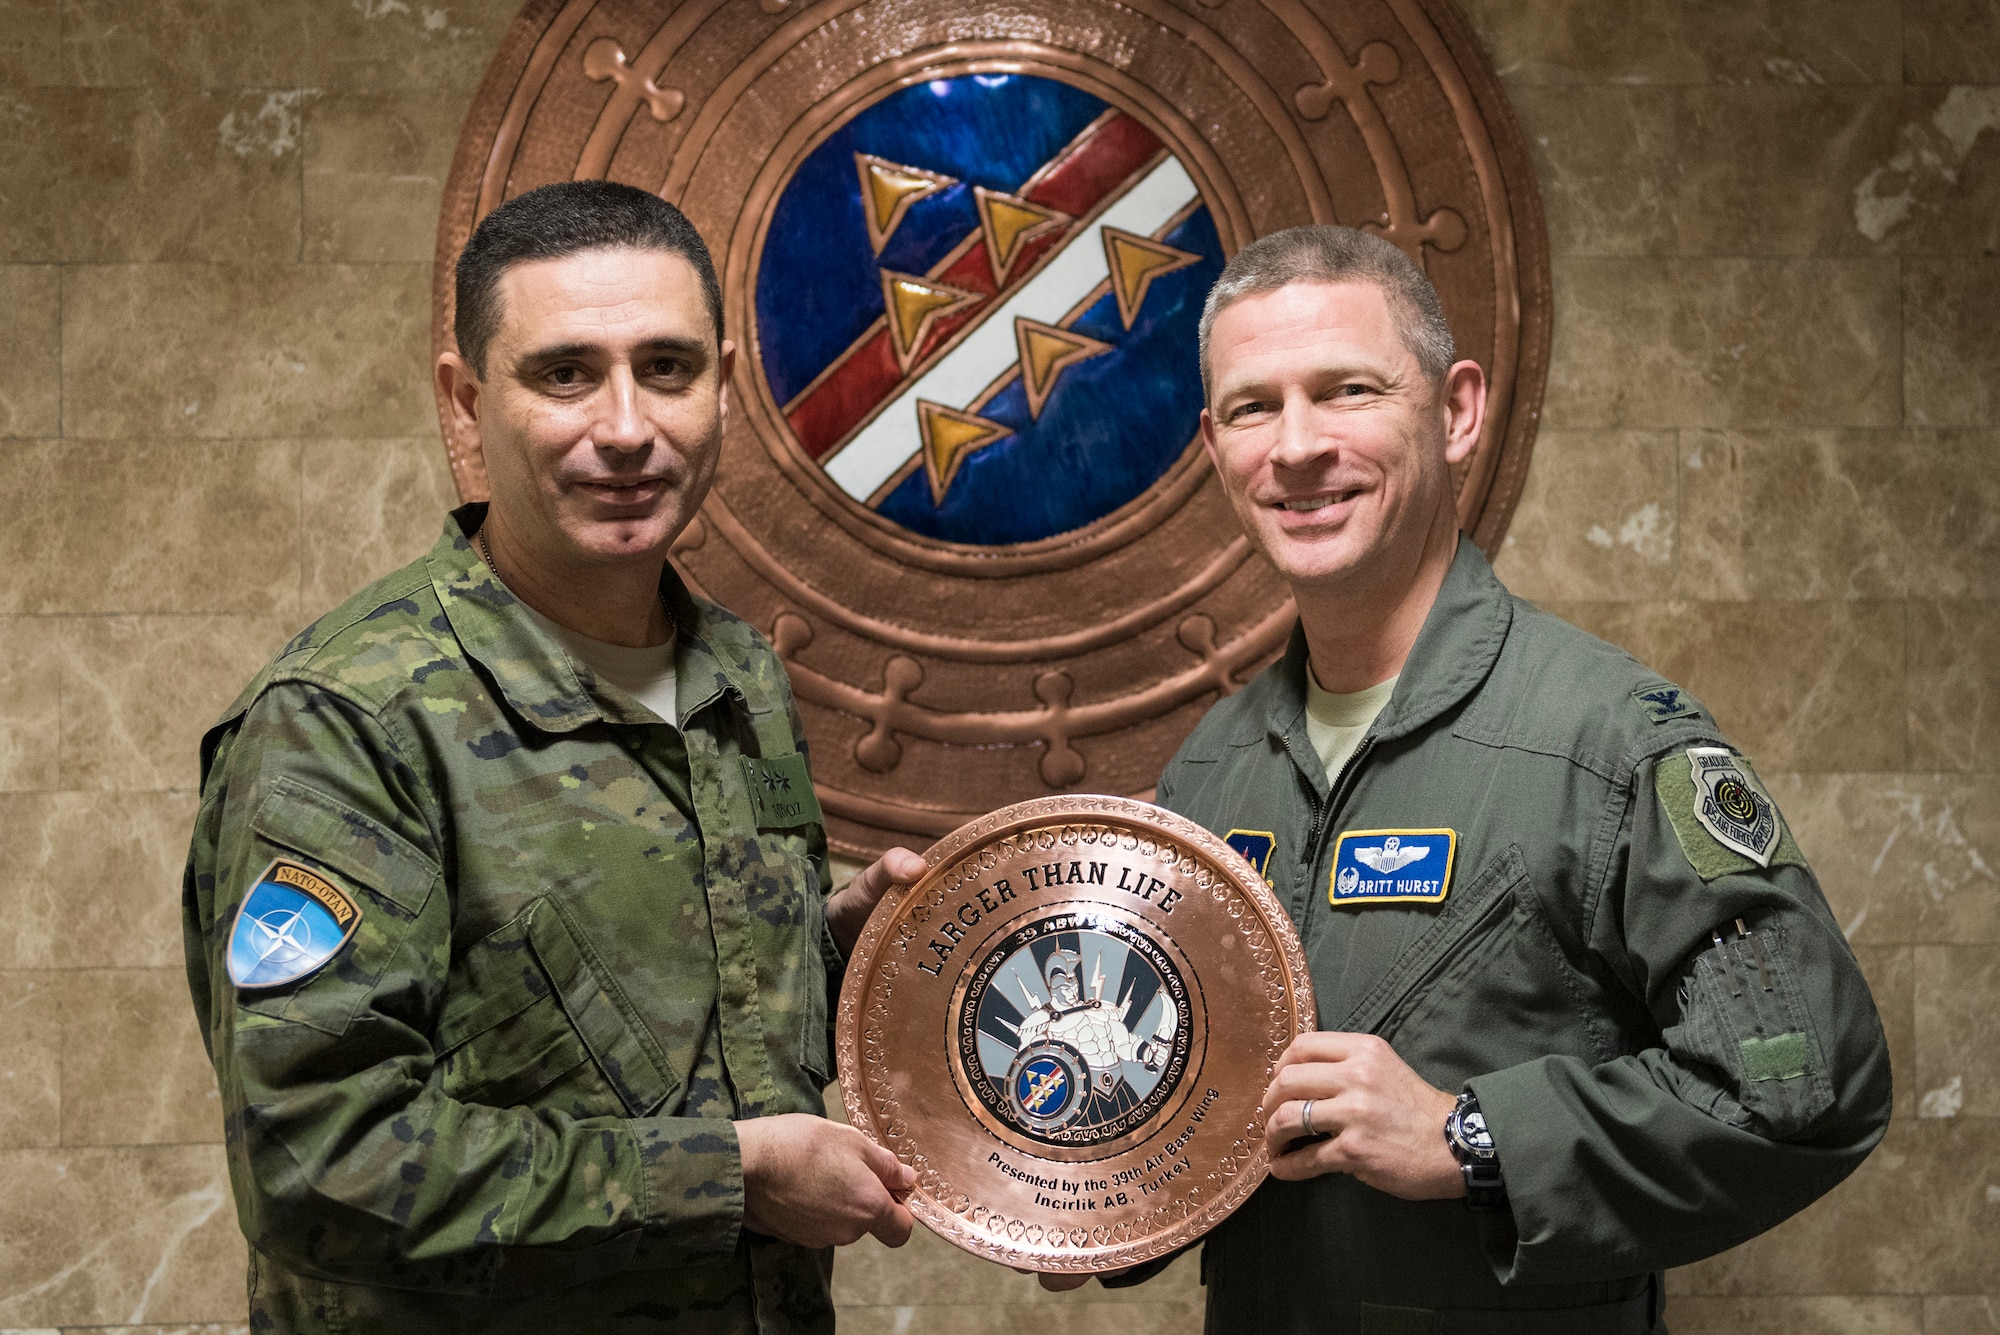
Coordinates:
[781,792]
[290,924]
[1725,821]
[1664,702]
[1392,866]
[1256,846]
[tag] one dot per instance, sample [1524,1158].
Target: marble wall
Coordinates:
[1775,396]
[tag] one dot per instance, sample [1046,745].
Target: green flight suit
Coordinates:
[1654,1097]
[588,941]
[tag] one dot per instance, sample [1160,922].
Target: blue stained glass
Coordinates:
[817,284]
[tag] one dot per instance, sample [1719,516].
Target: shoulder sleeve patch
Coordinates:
[1724,819]
[1663,702]
[291,923]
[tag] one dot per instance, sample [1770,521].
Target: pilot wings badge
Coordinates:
[1391,857]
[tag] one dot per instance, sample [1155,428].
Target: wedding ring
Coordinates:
[1306,1118]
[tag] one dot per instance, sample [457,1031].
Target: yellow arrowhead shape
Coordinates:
[1009,223]
[949,437]
[914,305]
[1046,352]
[1135,262]
[887,191]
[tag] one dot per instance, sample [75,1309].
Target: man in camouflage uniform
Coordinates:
[1585,1014]
[517,984]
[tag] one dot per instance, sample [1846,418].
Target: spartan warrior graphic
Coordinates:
[1080,1033]
[1093,1026]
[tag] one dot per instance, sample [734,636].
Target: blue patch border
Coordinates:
[236,922]
[1450,861]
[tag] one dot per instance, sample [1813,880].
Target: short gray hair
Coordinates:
[1324,253]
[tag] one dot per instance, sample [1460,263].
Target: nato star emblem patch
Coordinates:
[1392,866]
[292,922]
[1729,806]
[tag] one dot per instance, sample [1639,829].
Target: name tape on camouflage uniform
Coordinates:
[290,924]
[1392,866]
[781,792]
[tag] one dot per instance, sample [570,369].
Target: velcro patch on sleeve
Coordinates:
[1725,821]
[1782,1057]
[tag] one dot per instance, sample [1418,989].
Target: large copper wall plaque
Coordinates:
[964,249]
[1109,987]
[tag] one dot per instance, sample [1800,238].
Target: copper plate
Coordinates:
[1066,1027]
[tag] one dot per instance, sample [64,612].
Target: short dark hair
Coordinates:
[562,219]
[1326,253]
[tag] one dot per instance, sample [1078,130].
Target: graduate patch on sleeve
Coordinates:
[290,924]
[1724,819]
[1256,846]
[1392,866]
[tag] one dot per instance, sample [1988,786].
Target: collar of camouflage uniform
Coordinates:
[536,677]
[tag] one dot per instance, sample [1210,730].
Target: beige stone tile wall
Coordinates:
[1767,467]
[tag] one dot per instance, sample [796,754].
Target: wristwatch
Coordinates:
[1478,1159]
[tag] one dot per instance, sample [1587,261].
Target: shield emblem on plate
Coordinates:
[963,253]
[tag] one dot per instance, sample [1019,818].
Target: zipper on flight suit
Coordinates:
[1335,792]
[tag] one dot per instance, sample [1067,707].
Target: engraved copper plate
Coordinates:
[963,250]
[1066,1027]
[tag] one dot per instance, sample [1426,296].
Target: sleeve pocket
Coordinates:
[1744,1018]
[533,1018]
[359,847]
[394,880]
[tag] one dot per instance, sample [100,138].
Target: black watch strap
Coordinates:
[1485,1189]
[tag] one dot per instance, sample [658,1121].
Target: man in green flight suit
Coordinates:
[505,915]
[1584,1012]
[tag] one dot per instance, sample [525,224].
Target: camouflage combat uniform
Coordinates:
[1659,1085]
[588,941]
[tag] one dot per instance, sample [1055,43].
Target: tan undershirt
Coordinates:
[1337,723]
[646,674]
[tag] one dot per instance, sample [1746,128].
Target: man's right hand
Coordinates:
[820,1184]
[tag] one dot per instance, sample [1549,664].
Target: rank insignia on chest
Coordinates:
[1256,846]
[1392,866]
[781,792]
[1728,805]
[292,922]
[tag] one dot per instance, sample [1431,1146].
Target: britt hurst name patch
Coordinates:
[1392,866]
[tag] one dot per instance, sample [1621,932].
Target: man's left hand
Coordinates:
[847,912]
[1386,1126]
